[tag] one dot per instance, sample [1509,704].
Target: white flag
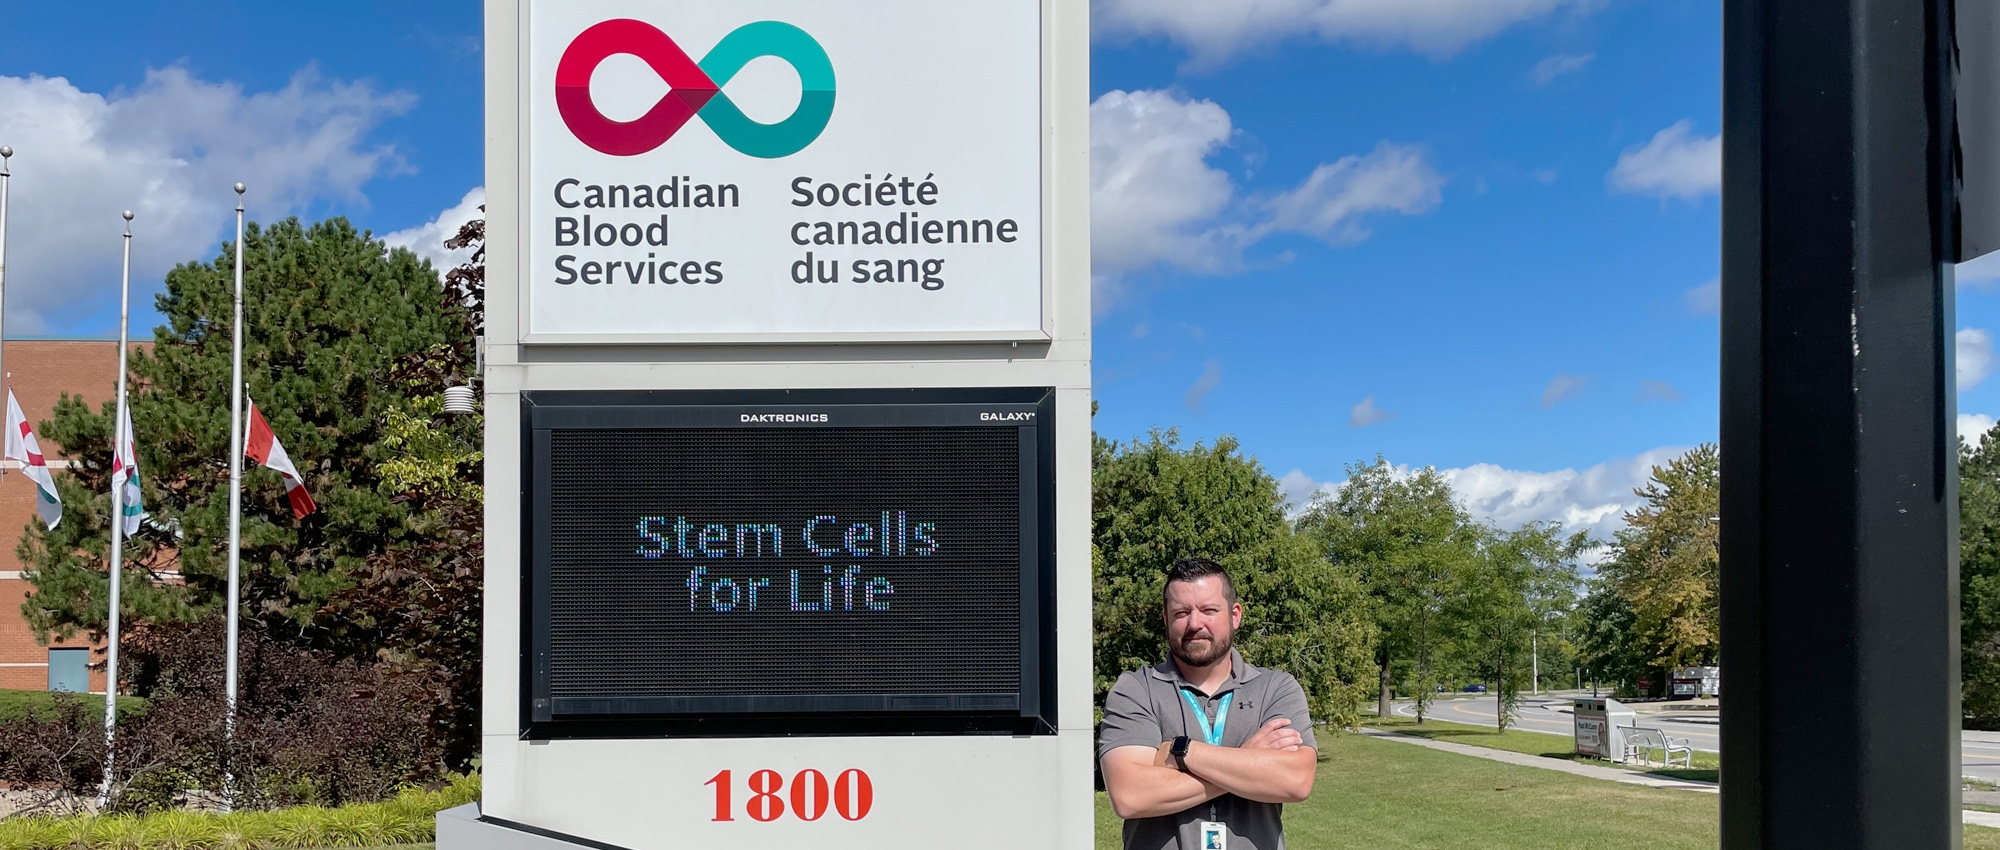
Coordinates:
[125,476]
[22,446]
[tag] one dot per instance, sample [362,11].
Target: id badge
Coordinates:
[1214,836]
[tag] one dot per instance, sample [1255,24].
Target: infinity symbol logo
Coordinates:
[695,88]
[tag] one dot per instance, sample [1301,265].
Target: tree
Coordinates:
[418,605]
[1155,502]
[327,311]
[1979,581]
[1665,563]
[1522,578]
[1408,542]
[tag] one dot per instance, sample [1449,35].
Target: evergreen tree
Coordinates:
[327,311]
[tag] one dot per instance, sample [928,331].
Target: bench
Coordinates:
[1640,743]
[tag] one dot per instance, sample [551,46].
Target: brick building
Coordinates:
[40,371]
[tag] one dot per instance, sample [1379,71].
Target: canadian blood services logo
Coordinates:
[695,88]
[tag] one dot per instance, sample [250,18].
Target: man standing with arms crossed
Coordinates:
[1201,751]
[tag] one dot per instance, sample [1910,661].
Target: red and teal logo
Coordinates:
[695,88]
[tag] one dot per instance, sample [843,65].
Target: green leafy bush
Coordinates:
[408,818]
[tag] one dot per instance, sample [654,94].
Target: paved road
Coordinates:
[1550,714]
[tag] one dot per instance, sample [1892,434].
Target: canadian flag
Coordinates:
[262,446]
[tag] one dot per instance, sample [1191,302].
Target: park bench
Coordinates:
[1641,742]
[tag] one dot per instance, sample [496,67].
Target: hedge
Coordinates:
[409,818]
[15,704]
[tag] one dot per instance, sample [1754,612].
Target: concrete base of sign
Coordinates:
[461,829]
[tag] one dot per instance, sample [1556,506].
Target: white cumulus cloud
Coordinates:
[1975,357]
[168,150]
[428,239]
[1158,202]
[1595,499]
[1214,32]
[1677,163]
[1153,196]
[1973,427]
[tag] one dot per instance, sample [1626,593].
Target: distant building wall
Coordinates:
[40,371]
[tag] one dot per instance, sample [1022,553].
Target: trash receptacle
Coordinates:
[1600,727]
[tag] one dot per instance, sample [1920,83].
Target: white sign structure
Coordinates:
[787,169]
[740,200]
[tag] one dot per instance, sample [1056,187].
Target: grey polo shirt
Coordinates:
[1146,707]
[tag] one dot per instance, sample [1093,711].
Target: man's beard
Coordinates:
[1218,648]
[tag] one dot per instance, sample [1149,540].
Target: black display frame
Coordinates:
[1030,712]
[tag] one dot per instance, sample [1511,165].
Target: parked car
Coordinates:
[1475,689]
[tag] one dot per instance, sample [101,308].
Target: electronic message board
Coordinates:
[789,562]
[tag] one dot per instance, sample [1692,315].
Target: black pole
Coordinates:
[1839,460]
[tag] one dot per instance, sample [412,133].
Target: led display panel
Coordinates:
[792,561]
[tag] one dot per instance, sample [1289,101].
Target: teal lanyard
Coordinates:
[1212,735]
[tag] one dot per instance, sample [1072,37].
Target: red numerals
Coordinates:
[851,795]
[721,783]
[764,803]
[809,795]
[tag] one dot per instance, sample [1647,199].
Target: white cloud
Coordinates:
[1677,163]
[1975,357]
[1154,199]
[1981,273]
[1555,66]
[1329,204]
[1157,201]
[1366,414]
[428,239]
[1563,386]
[1973,427]
[1651,390]
[1706,299]
[1594,499]
[169,151]
[1213,32]
[1211,377]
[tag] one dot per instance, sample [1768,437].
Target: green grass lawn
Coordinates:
[1388,795]
[17,703]
[1707,766]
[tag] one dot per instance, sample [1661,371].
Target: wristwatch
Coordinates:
[1179,752]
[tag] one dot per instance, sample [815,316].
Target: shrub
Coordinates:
[310,730]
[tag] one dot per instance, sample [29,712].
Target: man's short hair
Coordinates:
[1196,569]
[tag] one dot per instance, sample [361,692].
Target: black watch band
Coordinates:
[1179,750]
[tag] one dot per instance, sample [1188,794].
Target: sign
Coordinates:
[782,170]
[1590,737]
[762,554]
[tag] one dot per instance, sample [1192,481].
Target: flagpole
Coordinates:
[6,153]
[117,574]
[235,511]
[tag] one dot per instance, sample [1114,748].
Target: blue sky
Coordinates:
[1474,234]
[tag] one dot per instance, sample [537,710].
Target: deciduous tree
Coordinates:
[1154,502]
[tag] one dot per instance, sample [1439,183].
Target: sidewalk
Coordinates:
[1592,771]
[1611,774]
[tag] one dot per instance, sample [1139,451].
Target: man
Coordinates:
[1201,751]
